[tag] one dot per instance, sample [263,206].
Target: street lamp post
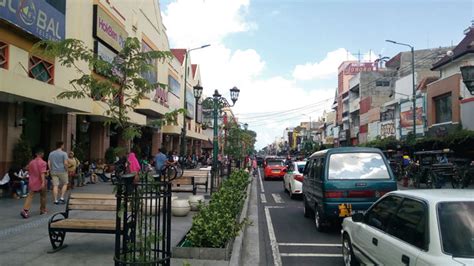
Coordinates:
[413,80]
[218,102]
[183,129]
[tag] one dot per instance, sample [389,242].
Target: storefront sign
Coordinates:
[108,30]
[161,96]
[387,129]
[355,68]
[34,16]
[406,117]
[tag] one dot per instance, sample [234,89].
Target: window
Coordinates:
[173,86]
[151,75]
[443,108]
[41,70]
[379,215]
[361,165]
[410,224]
[3,55]
[456,223]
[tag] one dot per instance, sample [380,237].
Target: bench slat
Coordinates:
[85,207]
[93,201]
[87,224]
[92,196]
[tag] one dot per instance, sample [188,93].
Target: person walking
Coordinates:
[72,164]
[133,165]
[57,162]
[37,183]
[160,161]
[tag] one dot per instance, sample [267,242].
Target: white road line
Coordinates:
[260,179]
[277,198]
[309,244]
[273,242]
[274,207]
[310,255]
[263,199]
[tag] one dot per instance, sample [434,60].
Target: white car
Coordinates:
[293,179]
[413,227]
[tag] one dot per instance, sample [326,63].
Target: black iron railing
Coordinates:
[144,219]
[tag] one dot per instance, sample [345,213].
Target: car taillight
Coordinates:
[334,194]
[361,194]
[298,178]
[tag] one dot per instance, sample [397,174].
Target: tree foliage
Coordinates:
[239,142]
[119,84]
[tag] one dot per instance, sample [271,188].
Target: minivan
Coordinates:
[339,182]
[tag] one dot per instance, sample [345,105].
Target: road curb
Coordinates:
[237,248]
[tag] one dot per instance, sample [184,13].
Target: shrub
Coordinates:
[217,223]
[22,153]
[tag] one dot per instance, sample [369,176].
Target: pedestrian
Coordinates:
[72,164]
[57,162]
[101,167]
[160,161]
[254,166]
[133,165]
[37,183]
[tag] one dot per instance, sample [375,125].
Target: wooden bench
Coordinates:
[61,222]
[192,178]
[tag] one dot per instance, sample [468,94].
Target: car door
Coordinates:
[407,233]
[367,235]
[308,183]
[318,173]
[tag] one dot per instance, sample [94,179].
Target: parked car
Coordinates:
[341,181]
[413,227]
[274,168]
[293,179]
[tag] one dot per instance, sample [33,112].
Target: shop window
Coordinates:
[382,83]
[443,111]
[41,70]
[3,55]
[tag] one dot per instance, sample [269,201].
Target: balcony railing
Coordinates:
[354,105]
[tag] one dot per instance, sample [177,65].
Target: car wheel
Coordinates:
[318,219]
[347,252]
[308,213]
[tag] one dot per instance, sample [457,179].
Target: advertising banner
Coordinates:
[108,30]
[355,68]
[406,117]
[387,129]
[36,17]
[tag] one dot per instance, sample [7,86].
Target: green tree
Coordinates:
[239,142]
[120,85]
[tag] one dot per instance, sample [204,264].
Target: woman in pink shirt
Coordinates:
[133,165]
[37,183]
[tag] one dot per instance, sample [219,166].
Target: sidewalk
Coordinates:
[26,241]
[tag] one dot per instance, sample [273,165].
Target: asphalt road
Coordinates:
[286,236]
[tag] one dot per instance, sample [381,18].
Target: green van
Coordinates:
[339,182]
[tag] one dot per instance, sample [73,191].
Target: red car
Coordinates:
[274,168]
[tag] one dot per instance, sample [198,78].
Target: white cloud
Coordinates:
[211,21]
[327,67]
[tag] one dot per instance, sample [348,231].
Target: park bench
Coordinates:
[190,180]
[61,222]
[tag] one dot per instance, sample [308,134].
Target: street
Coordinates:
[287,237]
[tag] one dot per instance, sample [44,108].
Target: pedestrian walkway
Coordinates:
[26,241]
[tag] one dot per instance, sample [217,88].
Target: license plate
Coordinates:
[345,210]
[275,171]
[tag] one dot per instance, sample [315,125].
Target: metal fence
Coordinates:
[144,219]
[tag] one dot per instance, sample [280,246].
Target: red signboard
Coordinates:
[355,68]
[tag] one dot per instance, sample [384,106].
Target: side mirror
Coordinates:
[358,217]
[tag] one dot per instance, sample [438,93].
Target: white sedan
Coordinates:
[413,227]
[293,179]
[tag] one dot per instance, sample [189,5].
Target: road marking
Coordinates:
[273,242]
[263,199]
[310,255]
[260,179]
[277,198]
[274,207]
[310,244]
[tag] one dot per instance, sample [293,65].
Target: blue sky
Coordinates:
[284,54]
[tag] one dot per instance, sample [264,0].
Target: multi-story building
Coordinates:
[449,103]
[30,83]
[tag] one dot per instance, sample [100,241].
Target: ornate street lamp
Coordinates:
[246,126]
[468,77]
[218,102]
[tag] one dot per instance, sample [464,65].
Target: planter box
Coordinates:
[202,253]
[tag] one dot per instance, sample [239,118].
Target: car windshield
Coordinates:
[361,165]
[275,162]
[456,222]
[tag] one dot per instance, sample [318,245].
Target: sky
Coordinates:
[283,54]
